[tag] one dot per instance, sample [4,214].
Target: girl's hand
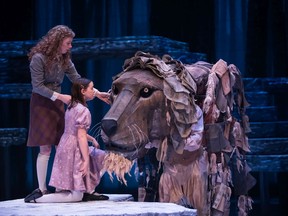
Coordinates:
[84,168]
[95,143]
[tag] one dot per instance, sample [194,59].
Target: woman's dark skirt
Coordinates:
[46,121]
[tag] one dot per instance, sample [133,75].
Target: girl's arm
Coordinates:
[83,145]
[93,140]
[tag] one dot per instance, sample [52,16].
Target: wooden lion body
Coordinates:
[154,106]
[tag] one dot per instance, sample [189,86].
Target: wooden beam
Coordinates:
[268,163]
[12,136]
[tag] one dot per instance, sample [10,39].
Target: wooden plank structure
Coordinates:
[269,142]
[269,137]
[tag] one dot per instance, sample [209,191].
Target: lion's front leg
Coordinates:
[184,185]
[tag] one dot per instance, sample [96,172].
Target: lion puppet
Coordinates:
[193,116]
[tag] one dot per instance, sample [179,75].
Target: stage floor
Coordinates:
[118,204]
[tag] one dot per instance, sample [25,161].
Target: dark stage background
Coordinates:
[252,34]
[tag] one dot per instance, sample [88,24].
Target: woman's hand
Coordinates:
[64,98]
[104,96]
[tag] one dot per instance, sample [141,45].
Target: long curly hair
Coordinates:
[49,46]
[76,95]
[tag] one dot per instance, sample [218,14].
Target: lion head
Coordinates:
[152,101]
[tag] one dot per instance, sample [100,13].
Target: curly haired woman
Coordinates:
[50,60]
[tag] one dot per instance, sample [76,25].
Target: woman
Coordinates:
[73,172]
[50,61]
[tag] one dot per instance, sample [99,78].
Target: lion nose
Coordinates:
[109,126]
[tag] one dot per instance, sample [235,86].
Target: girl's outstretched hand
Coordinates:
[95,143]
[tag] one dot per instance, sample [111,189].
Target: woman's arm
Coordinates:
[63,97]
[38,80]
[83,145]
[37,71]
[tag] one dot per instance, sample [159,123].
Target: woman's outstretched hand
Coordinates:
[104,96]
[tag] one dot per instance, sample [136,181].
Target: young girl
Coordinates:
[76,168]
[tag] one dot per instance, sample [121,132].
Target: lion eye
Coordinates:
[146,92]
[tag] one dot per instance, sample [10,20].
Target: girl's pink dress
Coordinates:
[66,173]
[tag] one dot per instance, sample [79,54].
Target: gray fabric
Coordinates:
[46,82]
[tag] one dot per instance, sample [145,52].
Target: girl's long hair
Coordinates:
[49,46]
[76,95]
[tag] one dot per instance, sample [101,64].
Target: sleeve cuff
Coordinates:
[54,96]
